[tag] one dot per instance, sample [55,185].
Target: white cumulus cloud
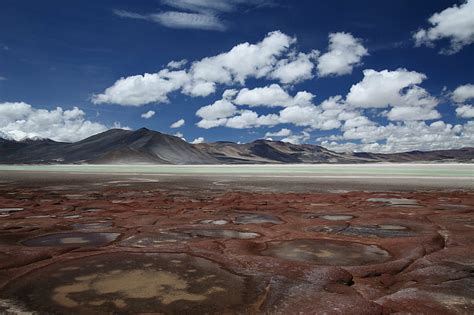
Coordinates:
[344,53]
[397,89]
[455,24]
[243,61]
[177,64]
[272,96]
[219,109]
[298,67]
[403,137]
[138,90]
[180,135]
[198,140]
[297,139]
[271,58]
[413,113]
[463,93]
[465,111]
[285,132]
[379,89]
[20,120]
[250,119]
[298,110]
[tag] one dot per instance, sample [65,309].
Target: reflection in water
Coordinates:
[326,252]
[257,219]
[72,239]
[336,217]
[132,283]
[155,239]
[220,233]
[395,201]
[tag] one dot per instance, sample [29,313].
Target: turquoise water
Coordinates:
[429,170]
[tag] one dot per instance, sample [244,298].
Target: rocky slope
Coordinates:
[118,146]
[459,155]
[264,151]
[112,146]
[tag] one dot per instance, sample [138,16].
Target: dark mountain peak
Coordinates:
[108,135]
[113,131]
[263,142]
[144,130]
[271,142]
[148,146]
[225,142]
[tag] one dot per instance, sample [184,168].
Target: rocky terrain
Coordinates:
[129,244]
[118,146]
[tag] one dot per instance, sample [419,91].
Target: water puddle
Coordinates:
[10,210]
[122,201]
[326,252]
[453,207]
[220,233]
[220,184]
[144,180]
[72,216]
[152,240]
[92,225]
[257,219]
[41,216]
[377,231]
[78,197]
[392,227]
[216,222]
[382,230]
[72,239]
[395,201]
[336,217]
[62,187]
[133,283]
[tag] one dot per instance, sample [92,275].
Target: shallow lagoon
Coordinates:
[320,170]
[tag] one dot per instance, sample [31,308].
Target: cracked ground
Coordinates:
[137,244]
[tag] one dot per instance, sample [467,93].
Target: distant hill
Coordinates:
[264,151]
[118,146]
[461,155]
[114,146]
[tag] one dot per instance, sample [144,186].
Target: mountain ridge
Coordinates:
[144,146]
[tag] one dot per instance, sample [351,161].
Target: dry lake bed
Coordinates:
[278,239]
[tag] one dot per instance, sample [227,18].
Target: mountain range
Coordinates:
[118,146]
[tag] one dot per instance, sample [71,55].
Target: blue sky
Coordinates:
[410,69]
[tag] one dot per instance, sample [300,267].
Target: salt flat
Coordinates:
[382,169]
[288,177]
